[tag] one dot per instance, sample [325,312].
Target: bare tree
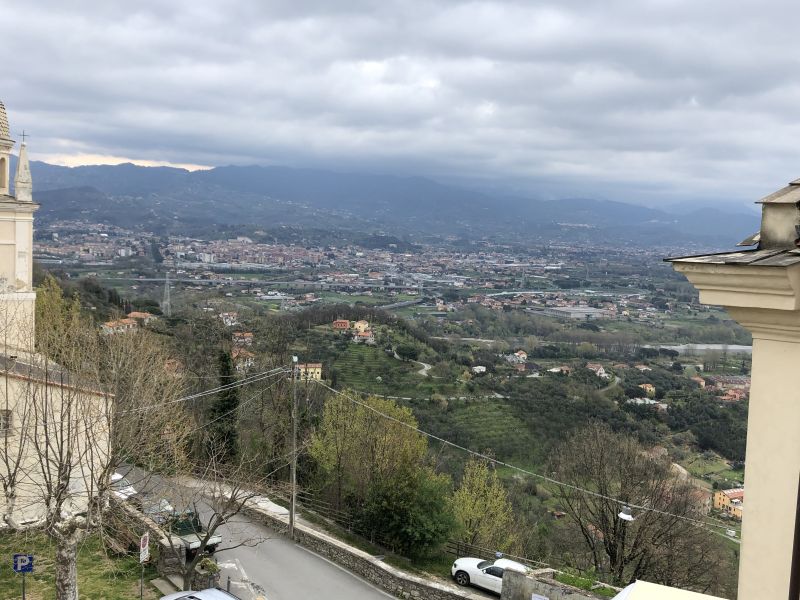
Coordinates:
[665,543]
[65,433]
[205,501]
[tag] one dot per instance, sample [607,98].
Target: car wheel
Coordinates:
[211,549]
[461,578]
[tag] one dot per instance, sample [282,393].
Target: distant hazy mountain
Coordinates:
[172,200]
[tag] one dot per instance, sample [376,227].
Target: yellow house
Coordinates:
[310,371]
[648,388]
[361,326]
[730,501]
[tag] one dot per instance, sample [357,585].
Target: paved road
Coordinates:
[281,570]
[270,565]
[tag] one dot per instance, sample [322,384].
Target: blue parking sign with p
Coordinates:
[23,563]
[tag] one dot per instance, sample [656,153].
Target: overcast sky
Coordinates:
[648,100]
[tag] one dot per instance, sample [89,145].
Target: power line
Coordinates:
[222,416]
[520,469]
[246,381]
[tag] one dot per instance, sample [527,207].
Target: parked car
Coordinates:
[186,529]
[486,574]
[123,490]
[209,594]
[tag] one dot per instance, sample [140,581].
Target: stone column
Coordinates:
[765,300]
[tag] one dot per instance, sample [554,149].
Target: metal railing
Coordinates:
[459,549]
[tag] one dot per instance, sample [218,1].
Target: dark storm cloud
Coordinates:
[651,99]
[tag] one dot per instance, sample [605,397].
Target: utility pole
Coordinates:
[166,304]
[293,505]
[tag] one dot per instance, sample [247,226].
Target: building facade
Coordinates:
[53,428]
[760,288]
[730,502]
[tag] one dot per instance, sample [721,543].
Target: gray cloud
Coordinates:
[652,100]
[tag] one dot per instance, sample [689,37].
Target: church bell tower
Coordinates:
[17,298]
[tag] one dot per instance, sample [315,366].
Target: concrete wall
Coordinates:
[765,300]
[517,586]
[26,398]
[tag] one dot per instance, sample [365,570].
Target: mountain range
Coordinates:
[257,200]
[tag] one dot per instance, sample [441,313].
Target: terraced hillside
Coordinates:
[482,425]
[360,366]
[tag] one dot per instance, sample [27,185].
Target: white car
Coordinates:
[486,574]
[209,594]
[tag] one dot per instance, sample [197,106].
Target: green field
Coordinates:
[360,366]
[712,468]
[481,425]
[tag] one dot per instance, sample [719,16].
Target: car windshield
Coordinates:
[485,563]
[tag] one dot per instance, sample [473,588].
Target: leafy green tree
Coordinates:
[376,469]
[410,514]
[407,352]
[482,509]
[354,447]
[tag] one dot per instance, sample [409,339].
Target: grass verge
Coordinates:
[100,576]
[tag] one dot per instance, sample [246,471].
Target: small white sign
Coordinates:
[538,597]
[144,548]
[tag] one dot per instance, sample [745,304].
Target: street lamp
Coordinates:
[626,515]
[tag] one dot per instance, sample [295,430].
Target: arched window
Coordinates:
[3,173]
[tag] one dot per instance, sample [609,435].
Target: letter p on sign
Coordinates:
[23,563]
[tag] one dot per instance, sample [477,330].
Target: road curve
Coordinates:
[279,569]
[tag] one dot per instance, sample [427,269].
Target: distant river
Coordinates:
[689,348]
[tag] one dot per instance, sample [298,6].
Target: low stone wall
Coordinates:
[378,573]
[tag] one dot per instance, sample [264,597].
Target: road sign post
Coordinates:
[23,563]
[144,555]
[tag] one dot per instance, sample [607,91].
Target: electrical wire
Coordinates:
[240,405]
[520,469]
[247,380]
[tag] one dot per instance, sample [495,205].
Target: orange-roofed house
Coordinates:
[361,326]
[730,501]
[242,359]
[364,337]
[143,317]
[119,326]
[242,338]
